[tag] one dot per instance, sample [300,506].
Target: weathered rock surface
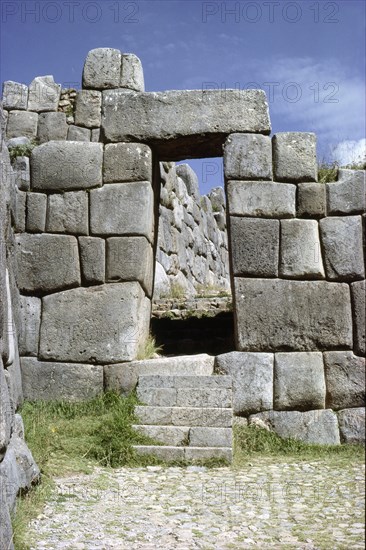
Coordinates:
[301,255]
[183,124]
[21,123]
[358,292]
[78,133]
[343,260]
[15,95]
[348,194]
[352,425]
[30,322]
[127,162]
[36,212]
[102,69]
[22,173]
[47,262]
[294,157]
[100,324]
[292,315]
[92,256]
[261,199]
[44,94]
[6,413]
[252,376]
[132,75]
[52,126]
[299,382]
[311,200]
[88,108]
[60,381]
[63,166]
[68,213]
[345,378]
[248,157]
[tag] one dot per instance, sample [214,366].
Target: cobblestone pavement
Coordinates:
[263,505]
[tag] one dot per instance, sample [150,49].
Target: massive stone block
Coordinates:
[248,157]
[294,157]
[352,425]
[261,199]
[292,315]
[254,246]
[102,69]
[92,256]
[88,108]
[21,123]
[60,381]
[311,200]
[44,94]
[68,213]
[348,194]
[299,381]
[52,126]
[132,75]
[30,314]
[122,209]
[47,262]
[67,165]
[252,376]
[100,324]
[358,291]
[15,95]
[130,259]
[183,124]
[319,426]
[343,251]
[345,378]
[127,162]
[301,255]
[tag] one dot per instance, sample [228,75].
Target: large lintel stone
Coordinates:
[248,157]
[98,324]
[261,199]
[348,194]
[127,162]
[102,69]
[294,157]
[254,246]
[183,124]
[66,165]
[60,381]
[47,263]
[358,292]
[301,255]
[299,381]
[280,315]
[122,209]
[345,378]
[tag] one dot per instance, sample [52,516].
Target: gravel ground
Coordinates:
[263,505]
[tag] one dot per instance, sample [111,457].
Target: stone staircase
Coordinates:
[191,416]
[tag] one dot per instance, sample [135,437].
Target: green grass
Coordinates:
[150,349]
[328,172]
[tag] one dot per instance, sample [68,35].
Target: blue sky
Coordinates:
[308,56]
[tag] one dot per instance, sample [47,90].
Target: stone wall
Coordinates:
[17,468]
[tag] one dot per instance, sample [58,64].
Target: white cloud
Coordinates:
[350,152]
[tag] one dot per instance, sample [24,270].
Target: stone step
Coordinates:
[185,397]
[191,454]
[183,381]
[179,436]
[185,416]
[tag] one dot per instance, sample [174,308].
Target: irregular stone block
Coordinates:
[345,378]
[180,124]
[319,426]
[95,134]
[44,94]
[292,315]
[343,251]
[311,200]
[21,123]
[130,259]
[197,397]
[52,126]
[294,157]
[100,324]
[36,212]
[189,176]
[76,133]
[127,162]
[48,381]
[358,291]
[172,435]
[248,157]
[254,246]
[92,255]
[299,381]
[301,255]
[20,209]
[261,199]
[348,194]
[15,96]
[122,209]
[124,377]
[210,437]
[352,425]
[102,69]
[88,108]
[183,381]
[132,75]
[30,314]
[66,165]
[205,453]
[47,263]
[252,375]
[22,173]
[166,452]
[6,413]
[68,213]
